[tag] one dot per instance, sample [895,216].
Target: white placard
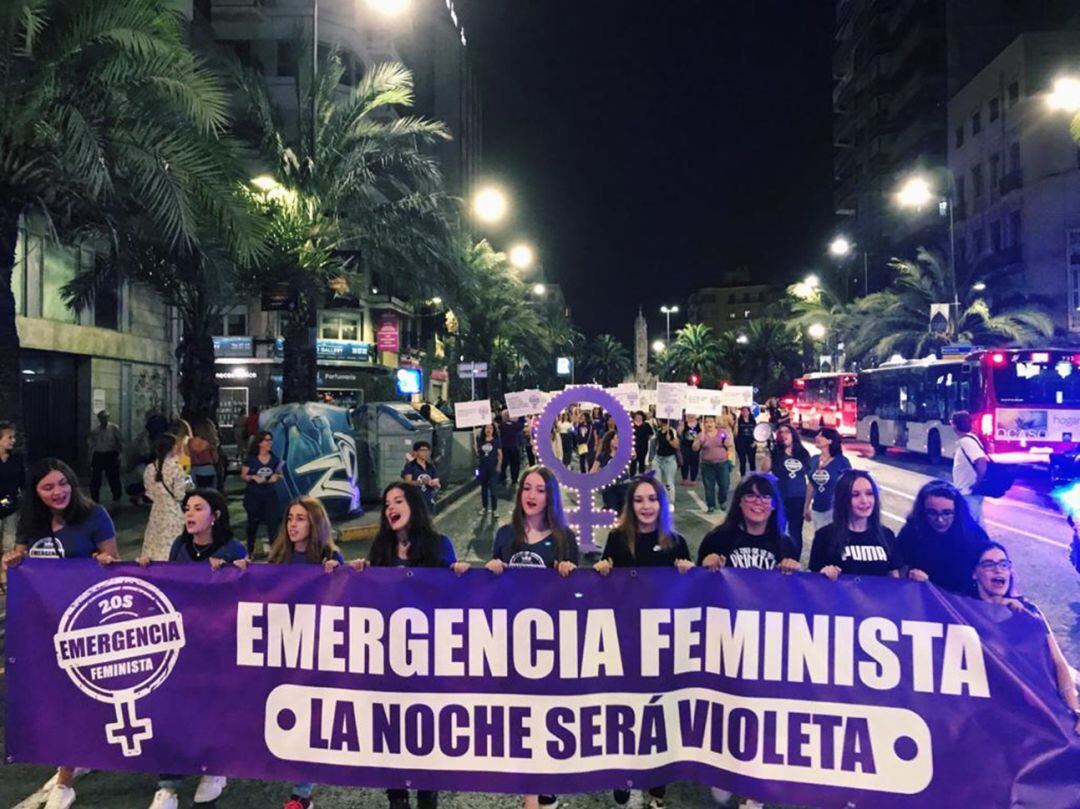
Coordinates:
[472,414]
[738,395]
[670,398]
[629,397]
[97,403]
[647,398]
[704,401]
[524,403]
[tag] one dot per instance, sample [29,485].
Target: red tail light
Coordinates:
[997,358]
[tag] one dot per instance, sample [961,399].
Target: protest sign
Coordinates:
[670,398]
[703,401]
[472,414]
[738,396]
[524,403]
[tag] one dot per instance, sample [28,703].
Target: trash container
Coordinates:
[442,443]
[385,432]
[316,442]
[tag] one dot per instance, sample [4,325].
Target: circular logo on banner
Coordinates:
[118,641]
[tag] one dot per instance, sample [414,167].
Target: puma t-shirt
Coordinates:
[865,554]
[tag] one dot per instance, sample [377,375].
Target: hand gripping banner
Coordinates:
[790,689]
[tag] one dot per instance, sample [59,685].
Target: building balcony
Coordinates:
[238,10]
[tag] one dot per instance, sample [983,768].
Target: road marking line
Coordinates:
[454,506]
[715,519]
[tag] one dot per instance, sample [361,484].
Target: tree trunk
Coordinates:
[10,375]
[299,364]
[198,388]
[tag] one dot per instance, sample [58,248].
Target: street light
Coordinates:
[978,286]
[436,301]
[816,331]
[811,281]
[840,247]
[539,290]
[1066,95]
[388,8]
[521,256]
[658,346]
[490,205]
[916,193]
[669,311]
[742,339]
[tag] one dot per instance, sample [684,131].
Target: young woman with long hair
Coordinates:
[644,536]
[261,470]
[58,521]
[752,535]
[995,581]
[407,538]
[203,448]
[855,543]
[825,469]
[165,483]
[304,539]
[940,541]
[689,430]
[745,446]
[488,461]
[537,535]
[583,442]
[789,462]
[207,538]
[614,495]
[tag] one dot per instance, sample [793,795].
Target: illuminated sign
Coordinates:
[409,380]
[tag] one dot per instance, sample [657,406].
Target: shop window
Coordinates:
[231,324]
[59,266]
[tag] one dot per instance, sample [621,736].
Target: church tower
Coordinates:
[641,347]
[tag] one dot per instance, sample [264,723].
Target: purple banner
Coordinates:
[789,689]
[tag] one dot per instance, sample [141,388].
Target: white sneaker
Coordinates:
[751,804]
[720,795]
[165,799]
[60,798]
[210,788]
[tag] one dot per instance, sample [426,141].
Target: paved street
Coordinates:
[1036,535]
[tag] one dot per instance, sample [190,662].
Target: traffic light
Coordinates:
[694,379]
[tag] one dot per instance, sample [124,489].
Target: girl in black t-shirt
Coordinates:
[745,446]
[644,536]
[752,535]
[855,542]
[537,535]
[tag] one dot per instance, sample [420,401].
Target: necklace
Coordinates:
[199,552]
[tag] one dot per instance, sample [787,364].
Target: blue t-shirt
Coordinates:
[487,452]
[302,559]
[259,469]
[74,541]
[790,472]
[415,470]
[185,551]
[824,480]
[538,554]
[446,551]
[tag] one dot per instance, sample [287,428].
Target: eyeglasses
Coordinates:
[753,497]
[945,514]
[1001,564]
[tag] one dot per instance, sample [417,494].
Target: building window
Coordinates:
[340,327]
[961,250]
[961,192]
[979,242]
[959,136]
[287,61]
[731,315]
[731,298]
[977,181]
[107,297]
[231,324]
[995,236]
[1014,157]
[1015,228]
[995,109]
[995,170]
[1014,92]
[976,123]
[60,264]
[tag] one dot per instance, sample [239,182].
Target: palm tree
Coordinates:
[357,176]
[607,361]
[896,320]
[769,357]
[696,350]
[104,105]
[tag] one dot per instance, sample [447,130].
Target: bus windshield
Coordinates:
[1053,382]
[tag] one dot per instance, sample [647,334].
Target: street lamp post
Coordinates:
[669,311]
[915,193]
[841,248]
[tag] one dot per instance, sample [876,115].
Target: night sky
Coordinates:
[649,147]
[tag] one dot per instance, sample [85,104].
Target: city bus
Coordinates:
[826,400]
[1025,404]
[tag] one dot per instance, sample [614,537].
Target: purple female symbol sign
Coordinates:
[586,519]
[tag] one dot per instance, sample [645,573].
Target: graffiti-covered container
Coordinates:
[316,442]
[385,433]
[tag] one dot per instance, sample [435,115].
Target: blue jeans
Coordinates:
[666,466]
[716,475]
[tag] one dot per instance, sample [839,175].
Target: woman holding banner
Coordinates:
[304,539]
[58,521]
[407,538]
[994,583]
[644,536]
[752,535]
[855,543]
[940,540]
[207,538]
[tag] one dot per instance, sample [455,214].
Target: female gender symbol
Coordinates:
[585,518]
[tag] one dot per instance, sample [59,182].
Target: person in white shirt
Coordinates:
[969,463]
